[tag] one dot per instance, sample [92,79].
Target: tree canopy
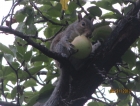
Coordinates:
[30,76]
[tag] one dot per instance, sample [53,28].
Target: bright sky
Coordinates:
[8,39]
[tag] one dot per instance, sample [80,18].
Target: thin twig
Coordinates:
[48,39]
[78,2]
[2,89]
[16,72]
[31,76]
[18,84]
[43,49]
[44,17]
[41,79]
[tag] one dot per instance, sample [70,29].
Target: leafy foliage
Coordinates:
[27,68]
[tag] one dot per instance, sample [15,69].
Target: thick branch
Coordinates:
[43,49]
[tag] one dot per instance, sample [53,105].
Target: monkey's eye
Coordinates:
[83,24]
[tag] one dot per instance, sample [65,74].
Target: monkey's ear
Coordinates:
[79,17]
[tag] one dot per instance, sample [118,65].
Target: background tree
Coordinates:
[114,64]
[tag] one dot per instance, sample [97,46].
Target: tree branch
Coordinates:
[43,49]
[44,17]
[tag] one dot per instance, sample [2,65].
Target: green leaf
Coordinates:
[33,100]
[128,8]
[24,75]
[15,65]
[14,92]
[11,77]
[32,29]
[95,11]
[116,85]
[30,17]
[58,6]
[23,2]
[34,70]
[48,32]
[50,75]
[29,20]
[51,30]
[130,58]
[21,27]
[43,95]
[124,102]
[101,33]
[20,47]
[37,63]
[28,55]
[128,71]
[114,1]
[131,85]
[28,10]
[20,16]
[8,95]
[72,6]
[120,91]
[55,11]
[19,42]
[137,88]
[29,95]
[47,89]
[5,49]
[1,58]
[44,2]
[45,8]
[104,4]
[45,92]
[21,99]
[13,49]
[30,83]
[1,74]
[134,85]
[41,57]
[134,103]
[21,50]
[95,104]
[110,15]
[19,57]
[7,70]
[138,66]
[8,57]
